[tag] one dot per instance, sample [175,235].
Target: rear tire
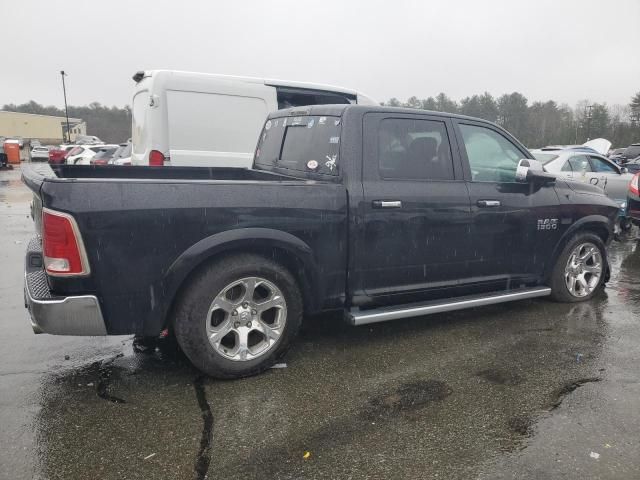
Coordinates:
[580,270]
[237,316]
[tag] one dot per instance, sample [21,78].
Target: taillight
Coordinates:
[156,158]
[62,245]
[633,186]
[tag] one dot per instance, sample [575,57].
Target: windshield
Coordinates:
[308,143]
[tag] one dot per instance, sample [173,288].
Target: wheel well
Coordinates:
[279,255]
[597,229]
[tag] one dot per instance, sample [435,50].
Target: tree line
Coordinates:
[543,123]
[110,124]
[536,124]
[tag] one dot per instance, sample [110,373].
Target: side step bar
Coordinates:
[362,317]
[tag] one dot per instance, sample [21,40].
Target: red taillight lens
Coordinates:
[633,186]
[62,245]
[156,158]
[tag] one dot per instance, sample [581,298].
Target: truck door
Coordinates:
[515,225]
[414,236]
[614,182]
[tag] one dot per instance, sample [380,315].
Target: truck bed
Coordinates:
[146,228]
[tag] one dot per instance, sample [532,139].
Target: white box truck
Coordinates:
[206,120]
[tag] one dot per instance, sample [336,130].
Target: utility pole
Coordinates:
[66,109]
[588,114]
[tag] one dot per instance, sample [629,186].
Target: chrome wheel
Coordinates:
[584,269]
[246,319]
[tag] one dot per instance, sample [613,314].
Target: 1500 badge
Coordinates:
[547,224]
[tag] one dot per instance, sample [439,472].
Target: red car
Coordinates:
[633,199]
[58,155]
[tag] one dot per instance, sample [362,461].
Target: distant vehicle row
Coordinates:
[91,154]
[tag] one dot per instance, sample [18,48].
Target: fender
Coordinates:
[246,239]
[583,223]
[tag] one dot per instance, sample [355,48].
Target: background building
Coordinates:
[46,128]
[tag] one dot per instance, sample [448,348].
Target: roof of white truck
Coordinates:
[178,75]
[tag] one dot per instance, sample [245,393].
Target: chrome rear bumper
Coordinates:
[73,315]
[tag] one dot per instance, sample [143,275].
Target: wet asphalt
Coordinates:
[531,389]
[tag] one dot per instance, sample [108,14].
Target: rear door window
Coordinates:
[579,163]
[308,143]
[413,149]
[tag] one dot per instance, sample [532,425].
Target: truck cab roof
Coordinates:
[340,109]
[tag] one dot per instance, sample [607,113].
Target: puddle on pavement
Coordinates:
[12,189]
[436,395]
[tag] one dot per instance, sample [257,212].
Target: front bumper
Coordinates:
[74,315]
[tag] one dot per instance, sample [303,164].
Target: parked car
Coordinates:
[58,155]
[594,169]
[632,151]
[122,155]
[104,155]
[615,152]
[627,154]
[40,153]
[198,119]
[82,154]
[381,213]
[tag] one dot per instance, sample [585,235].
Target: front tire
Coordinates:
[237,316]
[580,269]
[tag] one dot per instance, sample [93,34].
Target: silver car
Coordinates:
[589,167]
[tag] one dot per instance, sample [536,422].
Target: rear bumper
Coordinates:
[73,315]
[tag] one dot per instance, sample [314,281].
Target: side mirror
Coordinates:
[624,170]
[532,171]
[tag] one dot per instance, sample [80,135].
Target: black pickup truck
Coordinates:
[381,213]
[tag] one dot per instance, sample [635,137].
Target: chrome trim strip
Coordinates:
[357,317]
[76,315]
[390,204]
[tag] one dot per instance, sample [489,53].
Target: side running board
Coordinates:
[362,317]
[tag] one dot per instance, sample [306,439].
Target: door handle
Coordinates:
[488,203]
[386,204]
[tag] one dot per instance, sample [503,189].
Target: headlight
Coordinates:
[623,205]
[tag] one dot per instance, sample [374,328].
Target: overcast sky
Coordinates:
[546,49]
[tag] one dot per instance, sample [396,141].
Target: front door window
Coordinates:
[492,158]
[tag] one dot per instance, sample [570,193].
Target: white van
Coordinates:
[206,120]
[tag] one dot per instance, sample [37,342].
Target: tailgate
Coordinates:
[33,177]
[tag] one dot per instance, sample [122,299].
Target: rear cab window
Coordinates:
[306,143]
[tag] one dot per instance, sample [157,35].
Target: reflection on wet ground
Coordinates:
[469,394]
